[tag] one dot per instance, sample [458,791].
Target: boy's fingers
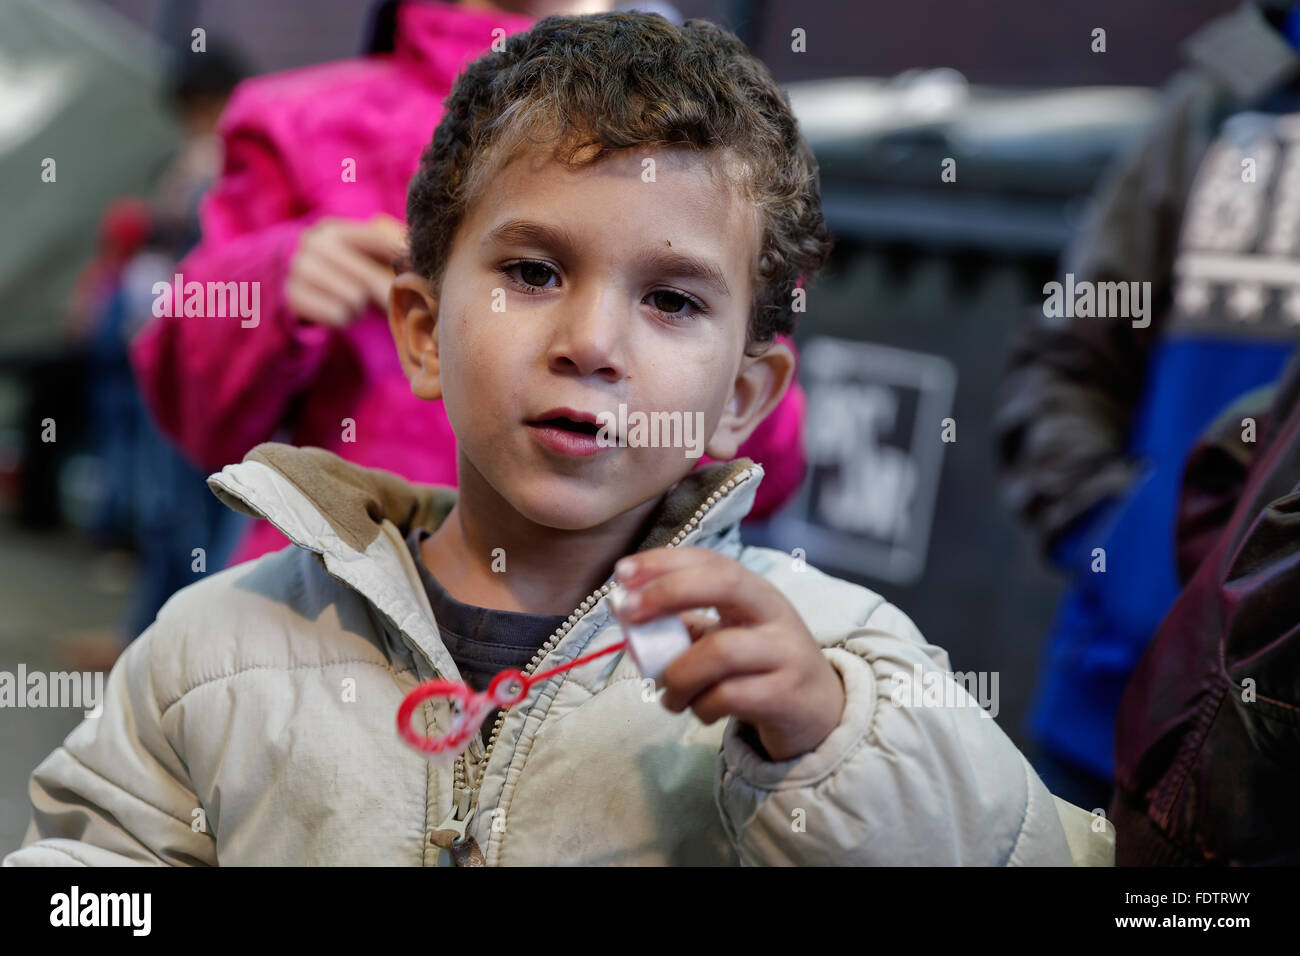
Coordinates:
[648,564]
[698,623]
[740,596]
[747,698]
[719,655]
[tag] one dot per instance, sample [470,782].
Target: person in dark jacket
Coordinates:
[1098,414]
[1208,745]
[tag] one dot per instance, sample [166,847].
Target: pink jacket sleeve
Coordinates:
[216,387]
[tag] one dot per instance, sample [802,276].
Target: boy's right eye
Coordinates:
[532,275]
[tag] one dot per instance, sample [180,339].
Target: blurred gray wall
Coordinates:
[1020,42]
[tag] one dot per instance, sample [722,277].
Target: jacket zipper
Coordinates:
[464,795]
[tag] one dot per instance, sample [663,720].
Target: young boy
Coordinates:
[552,282]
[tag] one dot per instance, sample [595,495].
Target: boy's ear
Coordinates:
[413,320]
[760,385]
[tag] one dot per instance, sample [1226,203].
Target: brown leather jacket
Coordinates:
[1208,736]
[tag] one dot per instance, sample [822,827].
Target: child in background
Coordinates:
[582,238]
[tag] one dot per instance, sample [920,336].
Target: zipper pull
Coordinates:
[467,853]
[454,825]
[450,835]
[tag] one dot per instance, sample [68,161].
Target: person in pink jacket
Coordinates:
[317,162]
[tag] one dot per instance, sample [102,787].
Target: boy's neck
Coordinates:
[546,571]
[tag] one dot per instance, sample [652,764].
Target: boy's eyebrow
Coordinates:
[667,261]
[688,267]
[525,232]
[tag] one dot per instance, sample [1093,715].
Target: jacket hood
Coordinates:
[354,501]
[437,40]
[357,519]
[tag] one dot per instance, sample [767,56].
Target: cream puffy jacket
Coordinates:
[254,723]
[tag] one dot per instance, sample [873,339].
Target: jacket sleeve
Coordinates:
[894,783]
[116,793]
[1072,388]
[1215,476]
[215,385]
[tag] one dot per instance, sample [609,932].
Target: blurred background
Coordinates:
[910,324]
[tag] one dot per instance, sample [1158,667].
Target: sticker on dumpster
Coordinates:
[873,440]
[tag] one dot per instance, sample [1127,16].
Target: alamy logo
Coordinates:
[1102,300]
[102,909]
[651,430]
[942,689]
[58,689]
[209,300]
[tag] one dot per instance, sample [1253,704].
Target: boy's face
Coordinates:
[572,289]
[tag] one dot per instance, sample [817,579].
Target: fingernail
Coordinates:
[624,568]
[630,601]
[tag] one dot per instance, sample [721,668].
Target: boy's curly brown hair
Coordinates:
[601,83]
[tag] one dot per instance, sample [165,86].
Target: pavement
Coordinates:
[54,592]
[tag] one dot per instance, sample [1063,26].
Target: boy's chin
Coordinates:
[569,504]
[559,508]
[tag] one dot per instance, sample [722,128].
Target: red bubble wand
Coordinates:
[653,646]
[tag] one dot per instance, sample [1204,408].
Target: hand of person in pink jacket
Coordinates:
[341,267]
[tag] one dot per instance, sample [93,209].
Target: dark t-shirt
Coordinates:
[482,641]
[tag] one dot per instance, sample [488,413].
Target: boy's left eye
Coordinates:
[679,302]
[532,277]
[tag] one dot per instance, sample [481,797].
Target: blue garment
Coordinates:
[1107,618]
[111,416]
[1291,26]
[175,513]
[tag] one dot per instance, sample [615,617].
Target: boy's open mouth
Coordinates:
[568,424]
[568,432]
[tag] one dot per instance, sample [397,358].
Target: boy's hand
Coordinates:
[758,663]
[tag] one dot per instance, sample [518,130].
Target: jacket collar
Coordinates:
[1244,52]
[357,518]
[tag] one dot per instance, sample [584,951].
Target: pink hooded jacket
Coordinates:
[219,388]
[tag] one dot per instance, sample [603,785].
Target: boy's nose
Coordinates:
[589,339]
